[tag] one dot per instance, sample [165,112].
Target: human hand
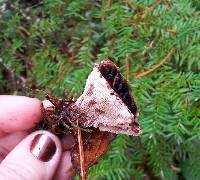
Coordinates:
[36,156]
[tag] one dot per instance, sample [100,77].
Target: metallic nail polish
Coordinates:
[43,147]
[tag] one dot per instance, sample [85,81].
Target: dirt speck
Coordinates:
[92,103]
[90,90]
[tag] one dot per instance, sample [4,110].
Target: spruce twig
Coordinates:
[157,66]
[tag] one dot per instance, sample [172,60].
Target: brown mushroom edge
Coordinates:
[119,84]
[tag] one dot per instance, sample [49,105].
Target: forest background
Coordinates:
[52,45]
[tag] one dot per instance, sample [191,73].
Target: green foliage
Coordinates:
[53,45]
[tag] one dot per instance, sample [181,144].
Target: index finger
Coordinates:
[18,113]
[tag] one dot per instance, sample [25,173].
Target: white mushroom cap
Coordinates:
[104,108]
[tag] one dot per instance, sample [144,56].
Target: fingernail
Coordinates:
[43,147]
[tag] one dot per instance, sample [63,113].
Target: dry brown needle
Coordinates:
[81,152]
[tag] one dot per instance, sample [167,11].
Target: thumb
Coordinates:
[35,157]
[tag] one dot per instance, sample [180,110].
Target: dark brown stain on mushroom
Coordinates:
[99,111]
[92,103]
[90,90]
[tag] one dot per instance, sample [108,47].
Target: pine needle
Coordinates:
[128,68]
[60,73]
[172,30]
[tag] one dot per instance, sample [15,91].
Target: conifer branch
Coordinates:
[157,66]
[14,76]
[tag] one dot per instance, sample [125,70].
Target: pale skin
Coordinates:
[18,115]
